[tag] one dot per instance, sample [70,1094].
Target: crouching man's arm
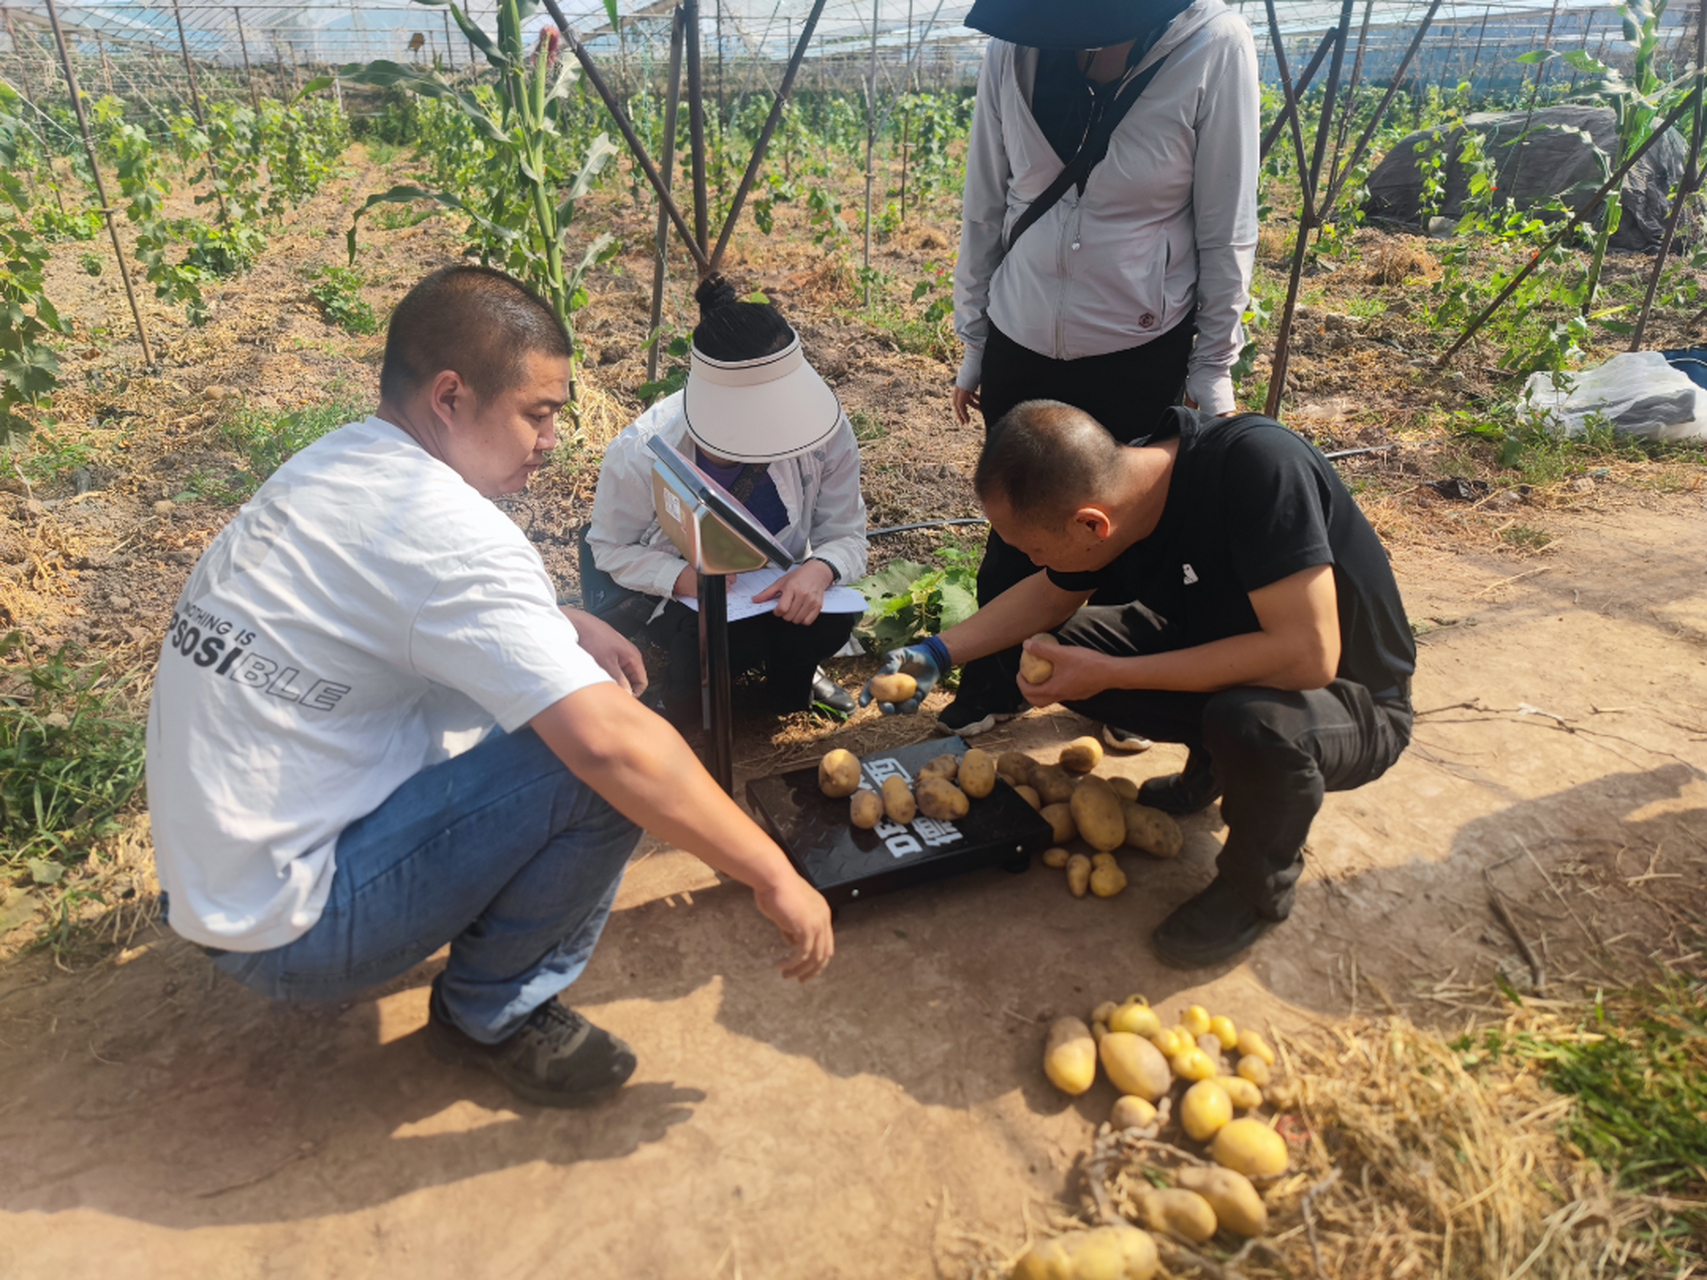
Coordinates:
[635,760]
[1297,647]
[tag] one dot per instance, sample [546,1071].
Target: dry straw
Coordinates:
[1406,1166]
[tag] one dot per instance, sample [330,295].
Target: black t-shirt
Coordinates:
[1250,503]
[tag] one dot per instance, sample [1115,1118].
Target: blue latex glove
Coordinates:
[926,662]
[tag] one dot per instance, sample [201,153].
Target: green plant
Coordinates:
[51,454]
[29,369]
[267,440]
[675,377]
[910,600]
[91,263]
[521,199]
[867,427]
[66,224]
[69,757]
[338,291]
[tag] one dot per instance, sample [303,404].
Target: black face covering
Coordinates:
[1064,100]
[1081,24]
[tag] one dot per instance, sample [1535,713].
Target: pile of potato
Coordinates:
[1215,1069]
[1103,811]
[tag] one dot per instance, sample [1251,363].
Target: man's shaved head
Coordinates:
[474,321]
[1044,460]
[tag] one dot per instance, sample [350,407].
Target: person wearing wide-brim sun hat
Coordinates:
[757,419]
[1108,235]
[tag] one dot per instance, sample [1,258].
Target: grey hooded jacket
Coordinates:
[1167,225]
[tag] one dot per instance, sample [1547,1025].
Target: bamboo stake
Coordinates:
[248,71]
[1477,60]
[1685,188]
[1289,113]
[1583,213]
[870,139]
[189,67]
[696,129]
[672,101]
[100,184]
[450,54]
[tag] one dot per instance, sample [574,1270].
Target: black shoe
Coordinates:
[1118,739]
[1214,926]
[556,1059]
[1182,793]
[968,719]
[828,696]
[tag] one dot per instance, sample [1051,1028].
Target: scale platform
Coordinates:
[846,864]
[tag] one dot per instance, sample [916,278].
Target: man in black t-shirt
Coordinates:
[1240,604]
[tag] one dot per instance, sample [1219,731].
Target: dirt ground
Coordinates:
[158,1120]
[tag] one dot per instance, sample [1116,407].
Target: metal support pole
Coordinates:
[1685,188]
[714,679]
[1351,92]
[763,144]
[696,128]
[248,71]
[100,184]
[870,139]
[672,101]
[1308,218]
[450,55]
[1289,112]
[1584,212]
[189,67]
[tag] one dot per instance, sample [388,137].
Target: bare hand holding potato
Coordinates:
[1075,674]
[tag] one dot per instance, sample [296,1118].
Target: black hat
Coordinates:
[1078,24]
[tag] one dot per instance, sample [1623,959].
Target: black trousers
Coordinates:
[1275,753]
[784,653]
[1127,391]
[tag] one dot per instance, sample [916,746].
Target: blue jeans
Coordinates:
[501,852]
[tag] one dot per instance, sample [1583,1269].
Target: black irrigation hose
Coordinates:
[941,524]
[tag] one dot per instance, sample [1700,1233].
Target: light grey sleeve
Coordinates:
[621,529]
[1224,204]
[983,213]
[838,516]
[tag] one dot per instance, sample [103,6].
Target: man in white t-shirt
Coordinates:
[374,732]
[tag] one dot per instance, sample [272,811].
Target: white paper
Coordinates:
[748,585]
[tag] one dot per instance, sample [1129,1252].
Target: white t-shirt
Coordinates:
[367,614]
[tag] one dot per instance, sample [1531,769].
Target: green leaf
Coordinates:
[615,18]
[44,872]
[958,604]
[1536,55]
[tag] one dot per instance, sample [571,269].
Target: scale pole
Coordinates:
[714,678]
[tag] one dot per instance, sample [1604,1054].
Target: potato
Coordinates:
[1222,1029]
[940,799]
[1015,766]
[1204,1109]
[944,766]
[898,802]
[1253,1069]
[1102,858]
[896,688]
[1250,1147]
[1126,789]
[1056,857]
[1194,1064]
[1096,814]
[1131,1112]
[1061,825]
[1238,1207]
[1070,1056]
[1245,1095]
[1029,796]
[1195,1020]
[1120,1252]
[1034,668]
[1134,1065]
[838,773]
[1098,1031]
[865,809]
[1078,874]
[1081,755]
[977,773]
[1166,1042]
[1251,1043]
[1104,1011]
[1178,1212]
[1107,880]
[1052,783]
[1151,830]
[1136,1017]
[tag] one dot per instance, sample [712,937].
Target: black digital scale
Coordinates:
[847,864]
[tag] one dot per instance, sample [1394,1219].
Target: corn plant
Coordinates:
[523,208]
[29,370]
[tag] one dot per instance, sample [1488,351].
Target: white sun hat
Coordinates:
[759,410]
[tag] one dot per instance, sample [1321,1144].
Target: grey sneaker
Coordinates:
[555,1059]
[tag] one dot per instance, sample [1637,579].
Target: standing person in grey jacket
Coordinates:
[1128,288]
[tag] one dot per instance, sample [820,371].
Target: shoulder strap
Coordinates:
[1077,171]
